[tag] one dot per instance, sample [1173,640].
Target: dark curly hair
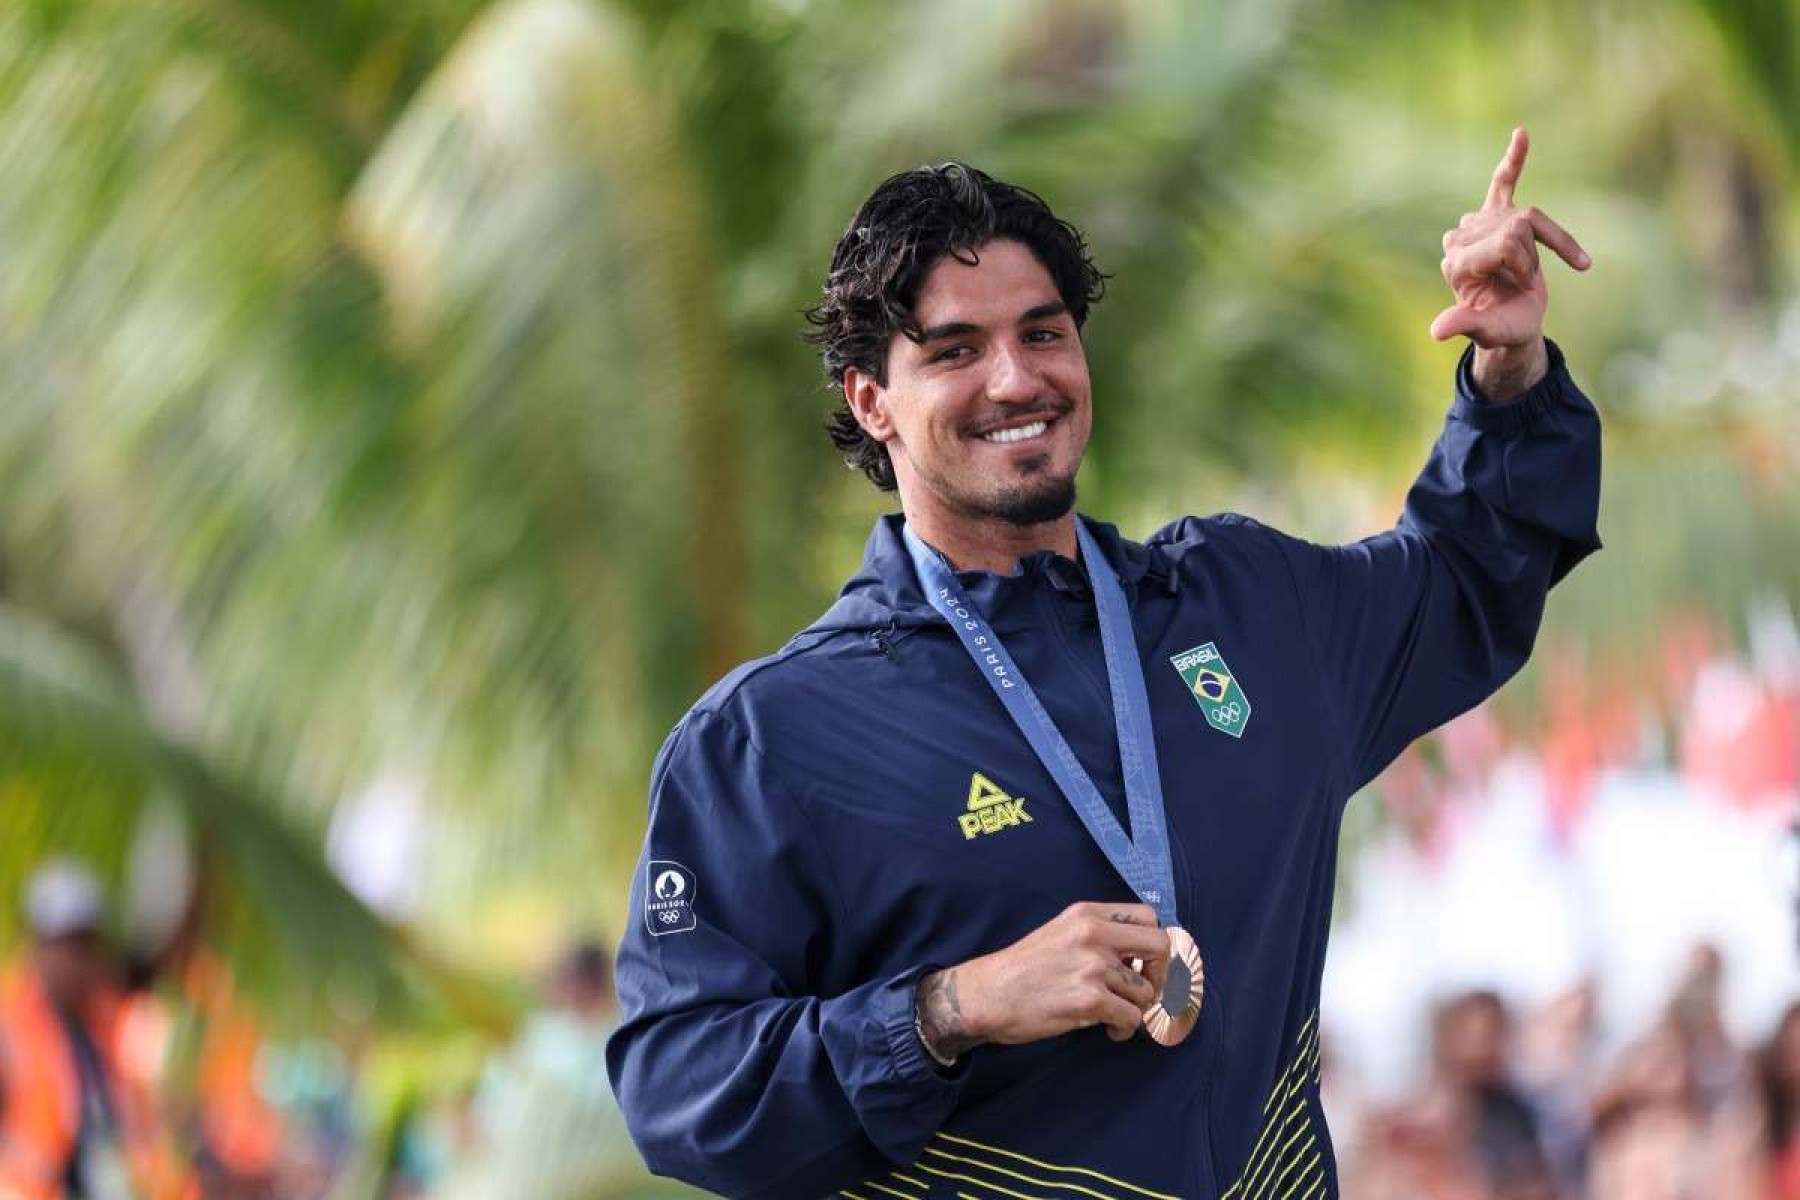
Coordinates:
[911,221]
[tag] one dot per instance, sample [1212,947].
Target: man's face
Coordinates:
[1471,1041]
[988,415]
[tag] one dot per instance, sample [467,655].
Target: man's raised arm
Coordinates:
[1416,625]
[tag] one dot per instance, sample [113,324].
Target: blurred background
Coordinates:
[403,418]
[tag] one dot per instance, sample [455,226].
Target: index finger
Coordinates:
[1506,175]
[1120,914]
[1148,944]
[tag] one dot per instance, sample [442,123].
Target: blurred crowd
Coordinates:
[90,1043]
[1528,1107]
[1566,964]
[145,1077]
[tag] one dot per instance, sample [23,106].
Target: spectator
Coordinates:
[1420,1151]
[1694,1015]
[1470,1037]
[1558,1059]
[1650,1125]
[74,1121]
[545,1123]
[1778,1081]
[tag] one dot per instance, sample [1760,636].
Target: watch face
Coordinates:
[1181,986]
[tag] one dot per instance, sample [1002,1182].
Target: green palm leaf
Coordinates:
[81,762]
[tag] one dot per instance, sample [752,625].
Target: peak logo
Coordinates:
[990,809]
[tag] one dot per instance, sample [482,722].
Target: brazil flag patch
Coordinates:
[1214,688]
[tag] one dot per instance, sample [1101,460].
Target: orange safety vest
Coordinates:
[40,1099]
[239,1127]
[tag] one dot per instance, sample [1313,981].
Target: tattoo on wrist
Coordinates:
[941,1026]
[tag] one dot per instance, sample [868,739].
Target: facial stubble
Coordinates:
[1049,499]
[1037,498]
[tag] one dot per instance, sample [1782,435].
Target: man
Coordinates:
[544,1122]
[74,1122]
[912,884]
[1471,1034]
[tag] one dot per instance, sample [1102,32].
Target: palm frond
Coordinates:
[82,763]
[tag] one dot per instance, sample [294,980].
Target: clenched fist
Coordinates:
[1491,263]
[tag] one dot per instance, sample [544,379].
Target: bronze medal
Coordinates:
[1180,984]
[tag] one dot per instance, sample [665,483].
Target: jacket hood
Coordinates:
[885,592]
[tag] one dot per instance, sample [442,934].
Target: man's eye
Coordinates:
[1044,335]
[948,353]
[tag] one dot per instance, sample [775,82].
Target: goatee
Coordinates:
[1035,503]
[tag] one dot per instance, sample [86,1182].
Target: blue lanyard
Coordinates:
[1142,857]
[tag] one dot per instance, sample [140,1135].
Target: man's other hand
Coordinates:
[1491,263]
[1070,973]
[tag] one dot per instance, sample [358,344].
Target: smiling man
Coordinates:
[1011,875]
[990,407]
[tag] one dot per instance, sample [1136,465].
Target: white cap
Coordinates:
[63,898]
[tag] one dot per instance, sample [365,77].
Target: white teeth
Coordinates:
[1002,436]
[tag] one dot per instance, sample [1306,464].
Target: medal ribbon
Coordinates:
[1142,856]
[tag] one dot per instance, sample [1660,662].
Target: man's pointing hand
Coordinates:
[1491,263]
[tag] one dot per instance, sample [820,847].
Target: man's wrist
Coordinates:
[931,1051]
[938,1019]
[1503,372]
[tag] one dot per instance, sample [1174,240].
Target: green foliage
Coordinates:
[417,387]
[79,765]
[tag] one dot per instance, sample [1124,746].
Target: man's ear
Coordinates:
[868,404]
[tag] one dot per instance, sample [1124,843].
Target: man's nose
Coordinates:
[1012,379]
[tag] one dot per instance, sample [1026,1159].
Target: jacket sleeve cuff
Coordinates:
[911,1060]
[900,1096]
[1523,412]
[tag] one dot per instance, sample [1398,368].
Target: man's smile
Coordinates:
[1020,427]
[1017,433]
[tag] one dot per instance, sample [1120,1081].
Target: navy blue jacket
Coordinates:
[829,823]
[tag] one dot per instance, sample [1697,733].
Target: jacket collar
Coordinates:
[886,592]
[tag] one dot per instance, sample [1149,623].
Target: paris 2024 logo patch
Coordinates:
[1214,688]
[668,898]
